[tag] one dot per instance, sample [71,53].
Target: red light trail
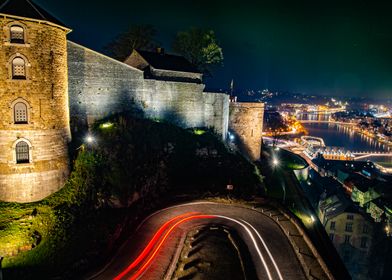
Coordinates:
[148,262]
[154,240]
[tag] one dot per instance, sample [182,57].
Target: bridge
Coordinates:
[324,121]
[362,155]
[336,153]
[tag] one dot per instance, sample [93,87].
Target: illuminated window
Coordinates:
[18,68]
[20,113]
[22,152]
[17,34]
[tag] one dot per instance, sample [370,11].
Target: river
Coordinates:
[342,136]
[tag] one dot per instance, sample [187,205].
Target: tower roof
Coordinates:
[164,61]
[27,9]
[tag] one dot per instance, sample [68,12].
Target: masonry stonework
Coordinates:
[100,86]
[44,92]
[246,124]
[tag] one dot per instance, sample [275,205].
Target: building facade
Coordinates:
[351,231]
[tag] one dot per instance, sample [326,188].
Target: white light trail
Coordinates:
[254,242]
[266,248]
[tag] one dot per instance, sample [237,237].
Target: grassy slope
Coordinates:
[131,160]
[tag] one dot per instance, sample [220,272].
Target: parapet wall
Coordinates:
[100,86]
[246,124]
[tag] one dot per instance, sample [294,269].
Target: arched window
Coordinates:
[17,34]
[20,113]
[22,151]
[18,68]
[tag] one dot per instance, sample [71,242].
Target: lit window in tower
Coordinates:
[22,152]
[18,68]
[17,34]
[20,113]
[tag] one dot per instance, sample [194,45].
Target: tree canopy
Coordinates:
[136,37]
[200,47]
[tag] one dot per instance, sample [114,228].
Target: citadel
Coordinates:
[51,88]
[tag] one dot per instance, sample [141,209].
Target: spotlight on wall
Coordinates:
[106,125]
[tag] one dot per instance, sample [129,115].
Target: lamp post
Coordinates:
[275,164]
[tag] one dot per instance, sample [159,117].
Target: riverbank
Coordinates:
[349,139]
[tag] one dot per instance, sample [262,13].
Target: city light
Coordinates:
[275,162]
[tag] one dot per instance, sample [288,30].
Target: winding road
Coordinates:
[151,252]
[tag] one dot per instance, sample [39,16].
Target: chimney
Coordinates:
[161,50]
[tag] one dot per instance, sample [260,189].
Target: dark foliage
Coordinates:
[136,37]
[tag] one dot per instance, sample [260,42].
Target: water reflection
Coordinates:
[336,135]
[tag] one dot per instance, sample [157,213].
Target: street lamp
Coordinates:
[89,139]
[275,162]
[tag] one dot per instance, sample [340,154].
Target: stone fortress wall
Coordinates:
[100,86]
[43,91]
[67,83]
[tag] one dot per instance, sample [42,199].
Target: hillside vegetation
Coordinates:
[132,167]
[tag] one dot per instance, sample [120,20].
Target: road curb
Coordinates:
[297,249]
[176,257]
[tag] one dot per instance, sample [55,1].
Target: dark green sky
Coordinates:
[316,47]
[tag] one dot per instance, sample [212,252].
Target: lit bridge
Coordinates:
[361,155]
[325,121]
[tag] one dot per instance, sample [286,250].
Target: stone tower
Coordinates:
[246,125]
[34,112]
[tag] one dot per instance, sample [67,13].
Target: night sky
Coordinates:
[314,47]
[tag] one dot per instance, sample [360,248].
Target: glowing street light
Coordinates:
[89,139]
[388,230]
[275,162]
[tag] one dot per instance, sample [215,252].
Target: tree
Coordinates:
[200,47]
[136,37]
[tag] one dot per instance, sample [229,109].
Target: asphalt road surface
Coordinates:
[150,252]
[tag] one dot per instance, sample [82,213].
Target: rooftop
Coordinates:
[27,9]
[164,61]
